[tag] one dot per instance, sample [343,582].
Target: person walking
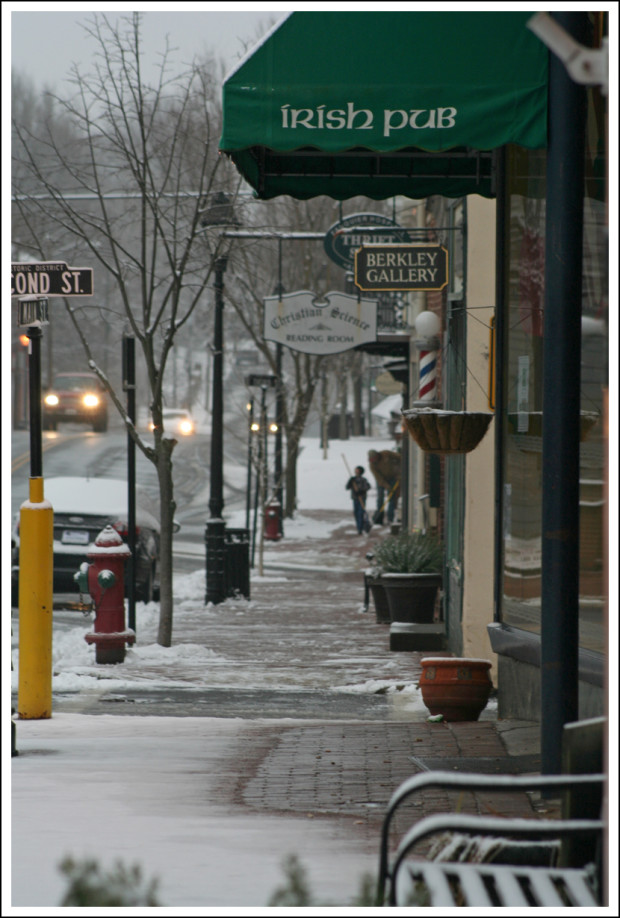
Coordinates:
[385,467]
[359,488]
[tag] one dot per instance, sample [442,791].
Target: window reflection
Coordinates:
[522,486]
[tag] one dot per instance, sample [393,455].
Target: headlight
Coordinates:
[51,399]
[91,401]
[186,427]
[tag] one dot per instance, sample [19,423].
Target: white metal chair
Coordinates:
[477,882]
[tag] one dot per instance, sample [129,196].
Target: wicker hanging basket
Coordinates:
[448,433]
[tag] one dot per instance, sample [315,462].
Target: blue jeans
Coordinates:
[391,505]
[359,512]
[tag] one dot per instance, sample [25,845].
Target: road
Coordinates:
[75,450]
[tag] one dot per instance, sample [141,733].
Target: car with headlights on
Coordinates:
[78,397]
[176,421]
[82,508]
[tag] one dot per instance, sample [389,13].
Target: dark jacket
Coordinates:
[358,486]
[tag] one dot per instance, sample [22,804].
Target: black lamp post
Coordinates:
[279,490]
[250,407]
[265,381]
[216,527]
[219,214]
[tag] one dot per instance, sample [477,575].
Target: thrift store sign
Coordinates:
[305,322]
[401,267]
[345,237]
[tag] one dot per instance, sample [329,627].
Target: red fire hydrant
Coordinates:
[104,579]
[272,521]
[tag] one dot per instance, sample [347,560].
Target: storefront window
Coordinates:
[522,485]
[522,492]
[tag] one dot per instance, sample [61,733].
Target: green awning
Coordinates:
[384,103]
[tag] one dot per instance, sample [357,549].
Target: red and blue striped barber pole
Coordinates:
[428,376]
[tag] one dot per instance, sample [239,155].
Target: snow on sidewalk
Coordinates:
[144,789]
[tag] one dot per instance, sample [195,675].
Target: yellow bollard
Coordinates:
[36,566]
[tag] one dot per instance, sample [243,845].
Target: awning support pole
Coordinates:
[561,403]
[501,234]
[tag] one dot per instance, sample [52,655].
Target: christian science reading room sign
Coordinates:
[401,267]
[305,322]
[53,278]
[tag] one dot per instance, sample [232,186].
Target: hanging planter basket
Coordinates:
[448,433]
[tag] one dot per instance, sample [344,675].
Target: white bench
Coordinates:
[548,879]
[446,885]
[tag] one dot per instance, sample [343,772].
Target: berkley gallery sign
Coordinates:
[401,267]
[305,322]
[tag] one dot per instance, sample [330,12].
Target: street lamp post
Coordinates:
[279,490]
[250,407]
[216,527]
[264,381]
[36,523]
[227,560]
[279,408]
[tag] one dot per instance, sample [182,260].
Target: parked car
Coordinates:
[76,397]
[177,421]
[82,508]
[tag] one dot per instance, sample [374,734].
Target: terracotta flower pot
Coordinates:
[379,597]
[456,687]
[411,597]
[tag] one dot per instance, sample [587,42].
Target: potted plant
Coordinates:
[373,582]
[410,565]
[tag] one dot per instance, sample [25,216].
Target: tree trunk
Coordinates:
[292,451]
[358,421]
[167,511]
[343,428]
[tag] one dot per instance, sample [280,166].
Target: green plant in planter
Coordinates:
[409,553]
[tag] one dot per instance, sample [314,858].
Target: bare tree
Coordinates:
[255,275]
[145,165]
[255,271]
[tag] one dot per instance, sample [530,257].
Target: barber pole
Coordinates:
[428,376]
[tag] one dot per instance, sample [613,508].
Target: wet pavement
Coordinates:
[329,725]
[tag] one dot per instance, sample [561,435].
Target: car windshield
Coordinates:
[74,382]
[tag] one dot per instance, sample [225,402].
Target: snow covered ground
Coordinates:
[141,788]
[321,483]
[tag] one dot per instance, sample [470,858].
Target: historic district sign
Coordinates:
[401,267]
[305,322]
[53,278]
[343,238]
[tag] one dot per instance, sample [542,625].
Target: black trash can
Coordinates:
[237,562]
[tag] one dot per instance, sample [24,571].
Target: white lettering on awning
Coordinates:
[351,118]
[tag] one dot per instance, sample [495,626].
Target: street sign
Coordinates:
[401,267]
[261,379]
[343,238]
[32,312]
[54,278]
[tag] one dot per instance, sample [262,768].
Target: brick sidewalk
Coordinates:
[346,770]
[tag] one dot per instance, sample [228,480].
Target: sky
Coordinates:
[46,39]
